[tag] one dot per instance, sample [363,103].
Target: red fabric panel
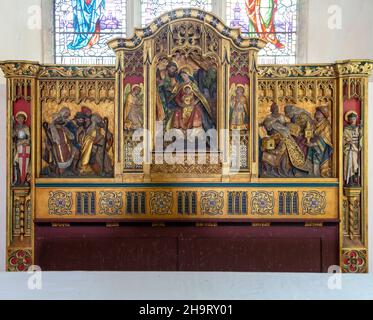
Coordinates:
[22,105]
[280,248]
[352,105]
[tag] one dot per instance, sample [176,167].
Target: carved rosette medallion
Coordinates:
[111,203]
[262,203]
[212,202]
[161,202]
[355,261]
[314,202]
[19,260]
[60,203]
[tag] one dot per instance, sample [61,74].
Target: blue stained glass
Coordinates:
[86,23]
[83,28]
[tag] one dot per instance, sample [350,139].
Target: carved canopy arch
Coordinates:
[190,39]
[189,15]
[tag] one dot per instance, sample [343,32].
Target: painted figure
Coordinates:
[78,146]
[239,109]
[22,150]
[281,155]
[276,122]
[133,107]
[300,126]
[262,20]
[188,115]
[202,111]
[186,93]
[62,149]
[352,145]
[87,15]
[92,134]
[321,145]
[97,142]
[167,82]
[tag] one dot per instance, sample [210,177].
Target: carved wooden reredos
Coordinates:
[218,60]
[97,143]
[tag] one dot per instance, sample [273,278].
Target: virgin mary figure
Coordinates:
[87,15]
[193,110]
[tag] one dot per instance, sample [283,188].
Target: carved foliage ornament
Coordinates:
[314,202]
[212,202]
[262,202]
[296,71]
[161,202]
[60,203]
[35,70]
[111,203]
[352,67]
[20,69]
[93,72]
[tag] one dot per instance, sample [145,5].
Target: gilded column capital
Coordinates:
[20,68]
[354,67]
[77,72]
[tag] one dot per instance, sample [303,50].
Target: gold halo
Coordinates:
[347,114]
[21,113]
[188,86]
[135,86]
[240,86]
[187,70]
[172,61]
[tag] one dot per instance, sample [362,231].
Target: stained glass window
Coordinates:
[151,9]
[273,20]
[83,27]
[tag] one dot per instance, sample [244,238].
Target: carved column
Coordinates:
[353,158]
[253,76]
[21,111]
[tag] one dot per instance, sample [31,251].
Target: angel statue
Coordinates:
[133,106]
[239,107]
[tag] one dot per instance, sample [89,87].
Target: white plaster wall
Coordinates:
[326,44]
[20,38]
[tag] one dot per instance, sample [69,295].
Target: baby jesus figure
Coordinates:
[189,115]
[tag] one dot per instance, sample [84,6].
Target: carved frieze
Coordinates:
[279,71]
[83,72]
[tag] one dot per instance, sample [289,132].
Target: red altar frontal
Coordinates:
[186,155]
